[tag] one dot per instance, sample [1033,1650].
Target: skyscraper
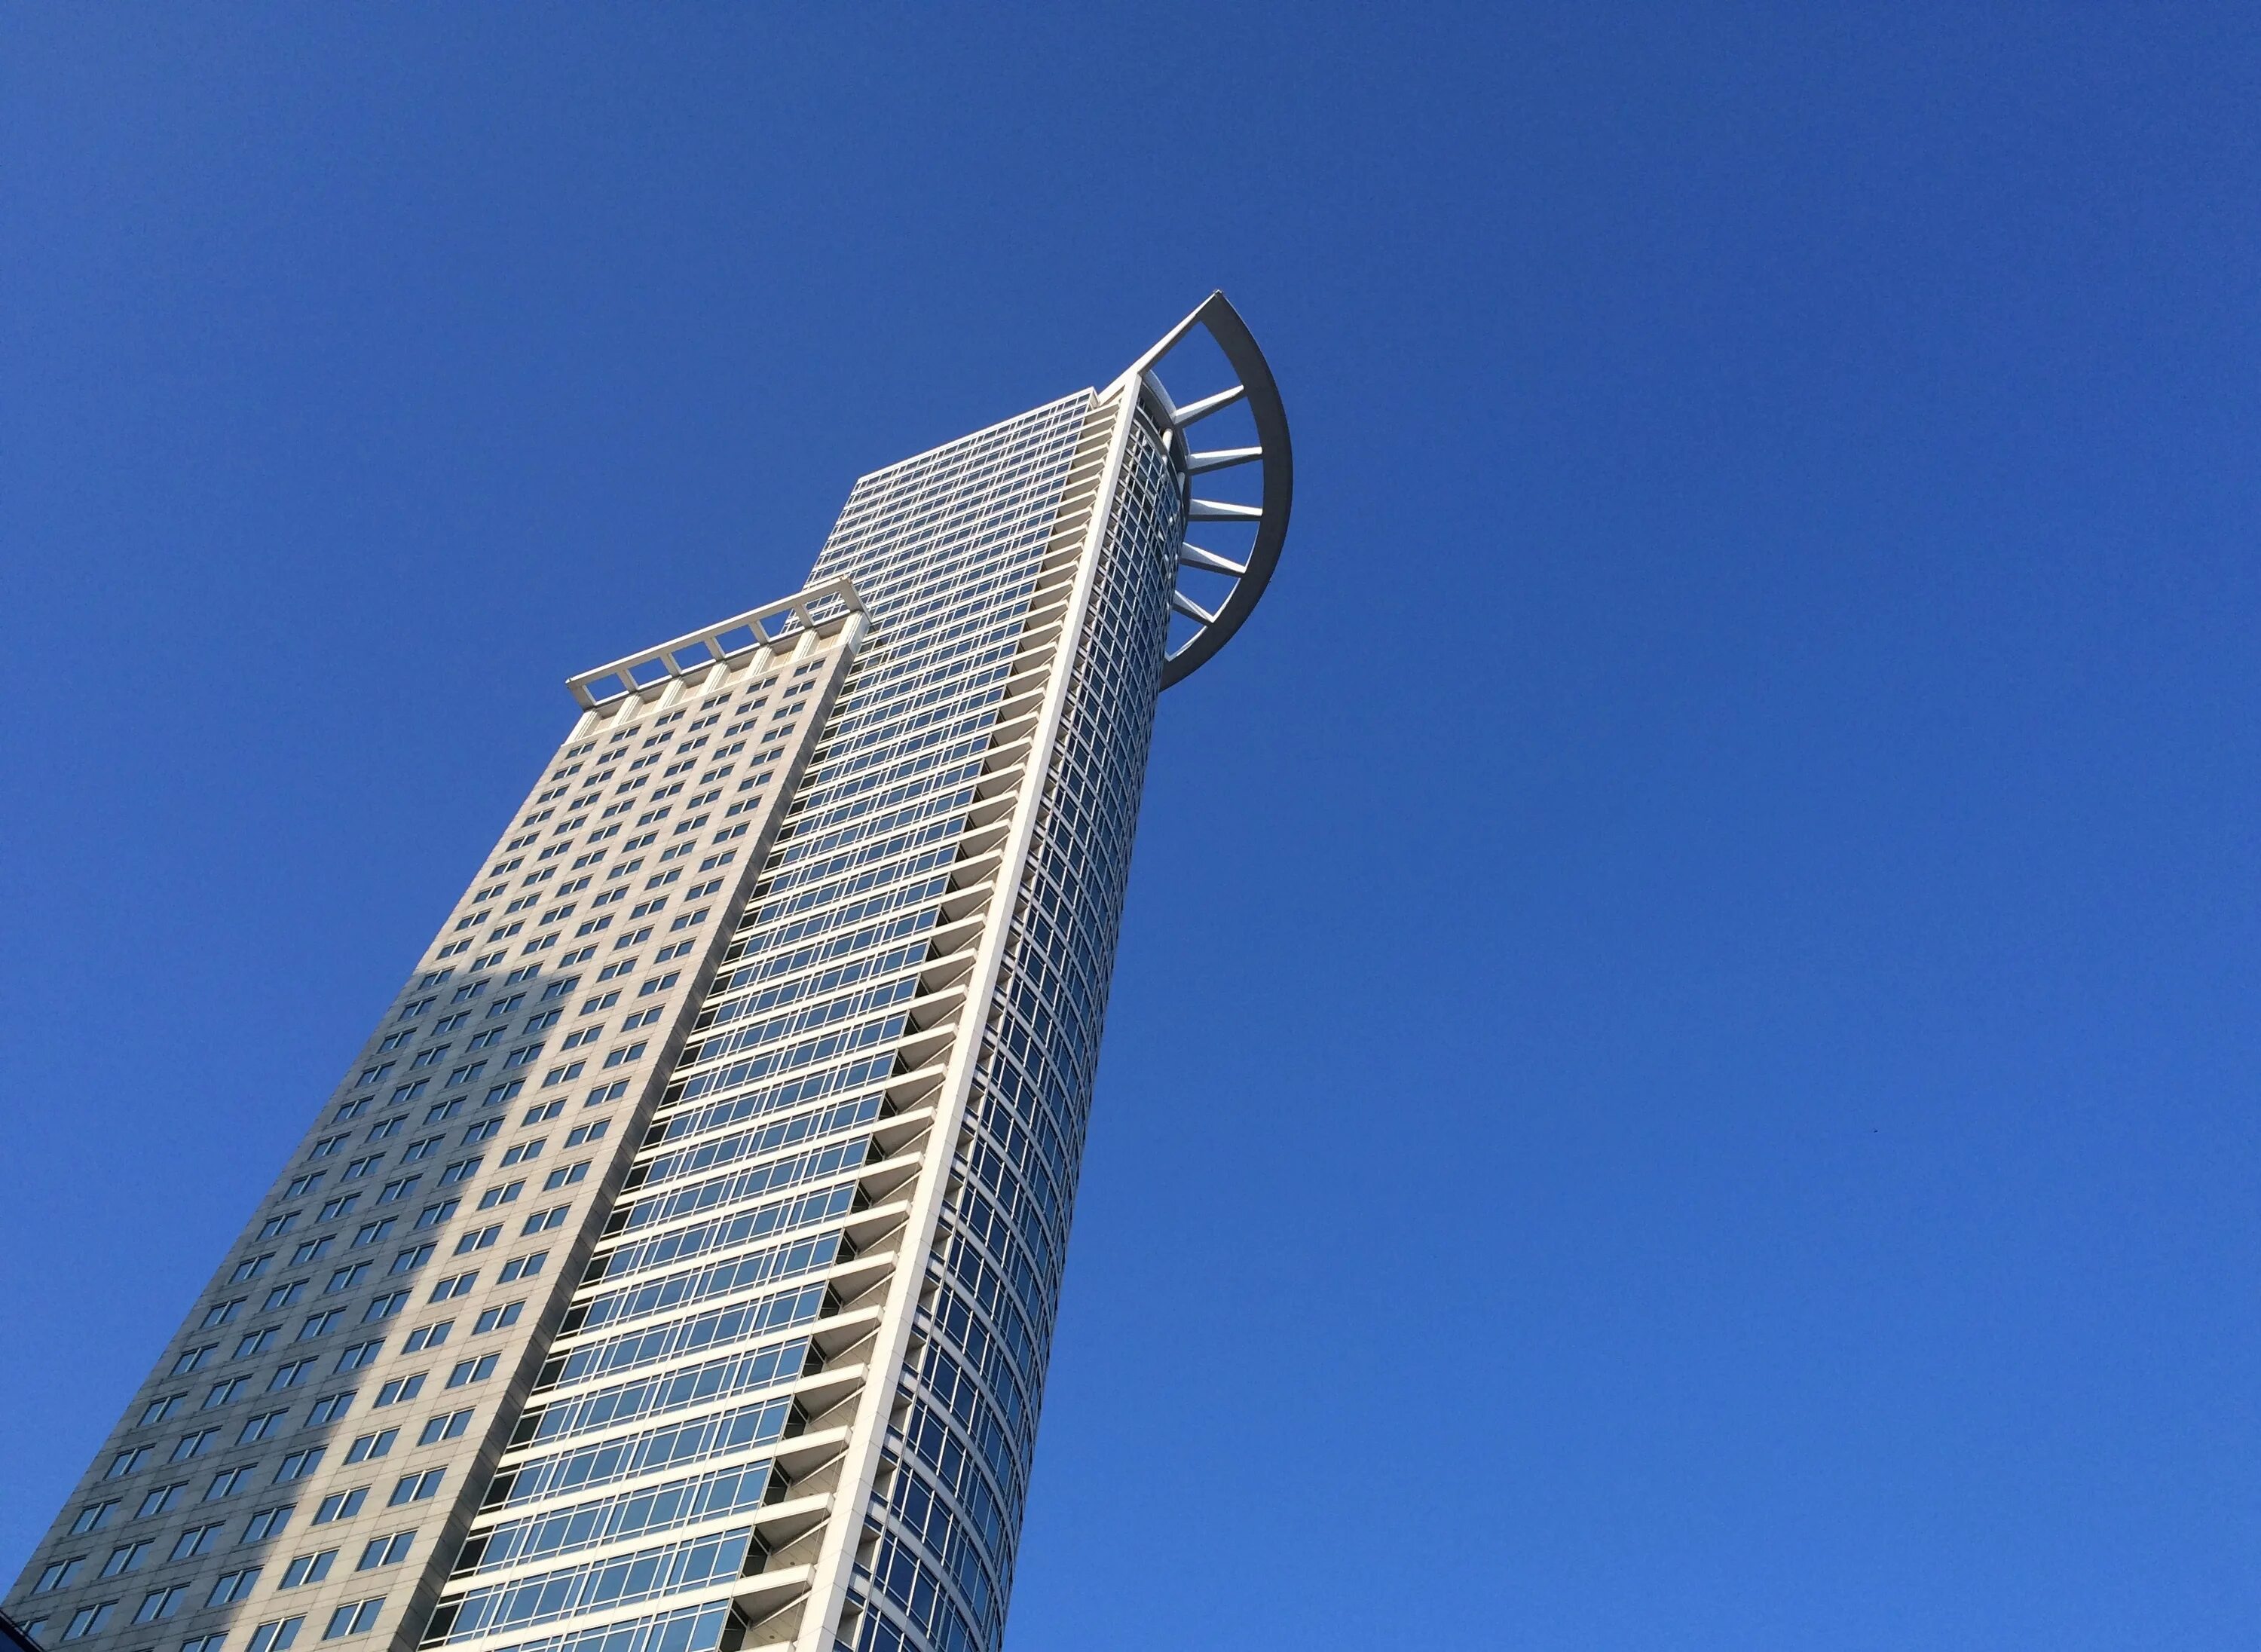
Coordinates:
[675,1266]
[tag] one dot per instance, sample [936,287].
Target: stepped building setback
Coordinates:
[675,1266]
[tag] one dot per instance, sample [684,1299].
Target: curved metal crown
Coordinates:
[1255,386]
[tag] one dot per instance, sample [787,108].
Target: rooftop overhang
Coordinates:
[1215,621]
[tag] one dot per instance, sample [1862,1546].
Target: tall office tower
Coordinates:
[676,1268]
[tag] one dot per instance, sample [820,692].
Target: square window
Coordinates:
[275,1636]
[341,1505]
[357,1617]
[308,1569]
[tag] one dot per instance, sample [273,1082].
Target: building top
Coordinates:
[1215,621]
[822,607]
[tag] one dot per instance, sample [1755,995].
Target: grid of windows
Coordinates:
[948,1511]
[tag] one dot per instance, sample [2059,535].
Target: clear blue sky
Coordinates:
[1684,1068]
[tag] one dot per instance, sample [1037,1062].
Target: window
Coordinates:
[321,1323]
[63,1571]
[478,1238]
[371,1233]
[468,1371]
[228,1482]
[386,1129]
[299,1465]
[367,1445]
[504,1194]
[260,1427]
[523,1267]
[384,1551]
[502,1093]
[575,1040]
[308,1569]
[88,1619]
[342,1205]
[160,1499]
[267,1522]
[409,1261]
[433,1214]
[255,1342]
[356,1168]
[360,1353]
[130,1557]
[416,1009]
[329,1408]
[327,1145]
[449,1024]
[353,1109]
[385,1307]
[356,1617]
[157,1410]
[230,1587]
[424,1147]
[160,1604]
[222,1313]
[564,1074]
[429,1336]
[277,1226]
[313,1250]
[525,1150]
[619,1057]
[483,1131]
[341,1505]
[641,1018]
[223,1392]
[193,1358]
[498,1319]
[197,1540]
[464,994]
[461,1170]
[659,983]
[347,1278]
[542,1221]
[399,1389]
[454,1285]
[126,1462]
[564,1176]
[283,1295]
[580,1133]
[393,1191]
[448,1426]
[94,1516]
[194,1445]
[416,1488]
[558,988]
[275,1636]
[440,1112]
[291,1374]
[301,1186]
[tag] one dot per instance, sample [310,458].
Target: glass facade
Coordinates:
[705,1229]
